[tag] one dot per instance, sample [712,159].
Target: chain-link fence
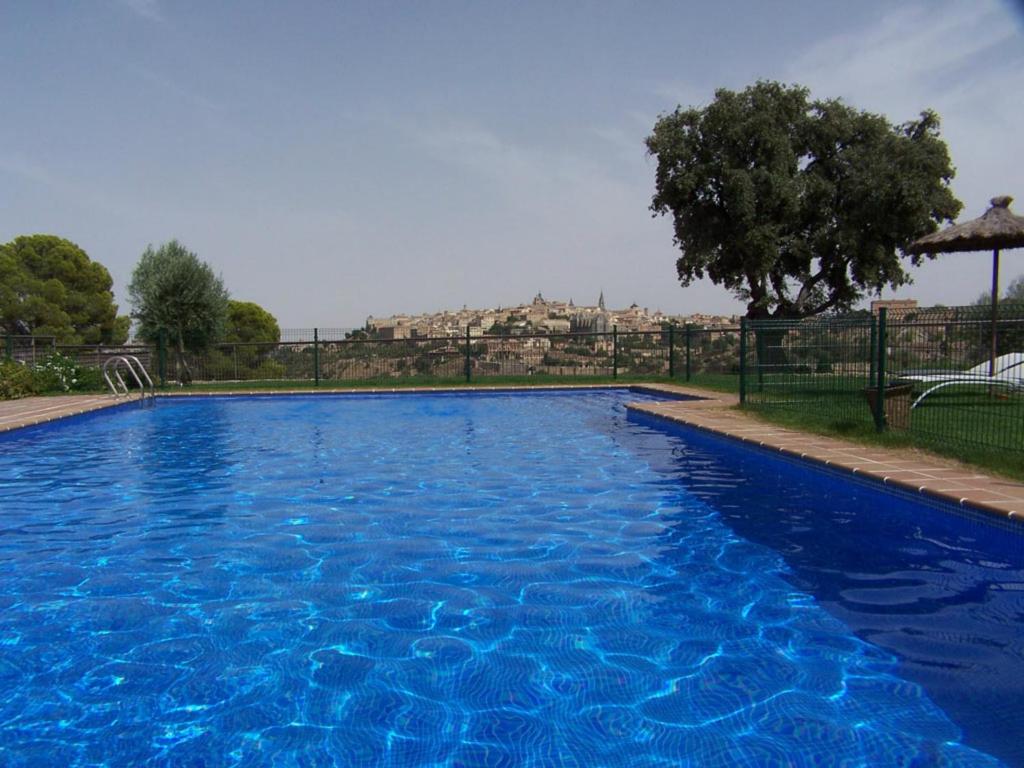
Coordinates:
[945,374]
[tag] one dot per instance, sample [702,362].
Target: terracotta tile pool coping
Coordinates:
[29,411]
[907,470]
[910,470]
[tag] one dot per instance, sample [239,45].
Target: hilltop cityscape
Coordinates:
[539,316]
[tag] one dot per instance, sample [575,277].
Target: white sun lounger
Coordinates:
[1009,373]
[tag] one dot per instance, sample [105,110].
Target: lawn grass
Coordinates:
[970,426]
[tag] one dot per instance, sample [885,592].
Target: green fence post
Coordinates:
[615,351]
[871,352]
[689,348]
[880,368]
[671,351]
[743,360]
[761,356]
[161,356]
[9,347]
[469,362]
[316,357]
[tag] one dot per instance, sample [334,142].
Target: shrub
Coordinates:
[56,373]
[16,380]
[89,380]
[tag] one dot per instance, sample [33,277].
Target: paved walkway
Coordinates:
[906,469]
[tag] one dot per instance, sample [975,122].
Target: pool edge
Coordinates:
[39,410]
[1010,512]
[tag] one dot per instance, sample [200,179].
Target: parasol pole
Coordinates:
[995,310]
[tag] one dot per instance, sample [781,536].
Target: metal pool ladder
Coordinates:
[138,372]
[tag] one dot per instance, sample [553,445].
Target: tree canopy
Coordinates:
[249,322]
[175,293]
[1014,293]
[797,206]
[50,287]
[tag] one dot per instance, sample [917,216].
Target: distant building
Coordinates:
[591,320]
[556,325]
[392,332]
[895,306]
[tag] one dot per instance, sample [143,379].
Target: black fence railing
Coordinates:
[930,372]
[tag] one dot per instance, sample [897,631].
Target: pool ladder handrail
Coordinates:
[131,362]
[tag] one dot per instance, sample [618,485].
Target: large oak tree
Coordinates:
[797,206]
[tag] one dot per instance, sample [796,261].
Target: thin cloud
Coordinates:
[911,50]
[26,169]
[684,95]
[147,9]
[189,96]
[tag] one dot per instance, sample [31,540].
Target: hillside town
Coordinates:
[539,316]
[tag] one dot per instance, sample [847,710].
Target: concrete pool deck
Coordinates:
[905,469]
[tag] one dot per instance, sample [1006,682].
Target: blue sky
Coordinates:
[337,159]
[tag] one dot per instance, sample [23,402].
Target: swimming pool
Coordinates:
[487,579]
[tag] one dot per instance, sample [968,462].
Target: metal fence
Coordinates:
[923,372]
[324,358]
[928,372]
[28,349]
[318,356]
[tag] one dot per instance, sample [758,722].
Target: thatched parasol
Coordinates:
[994,230]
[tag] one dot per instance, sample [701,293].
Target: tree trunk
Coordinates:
[184,372]
[769,334]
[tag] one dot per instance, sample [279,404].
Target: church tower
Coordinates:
[600,301]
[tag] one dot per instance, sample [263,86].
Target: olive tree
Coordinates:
[172,292]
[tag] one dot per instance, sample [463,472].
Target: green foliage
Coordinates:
[59,373]
[50,287]
[90,379]
[240,363]
[1015,290]
[172,291]
[16,380]
[797,206]
[1009,329]
[249,322]
[1014,293]
[511,327]
[175,293]
[122,327]
[56,373]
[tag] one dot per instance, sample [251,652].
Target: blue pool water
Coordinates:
[483,580]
